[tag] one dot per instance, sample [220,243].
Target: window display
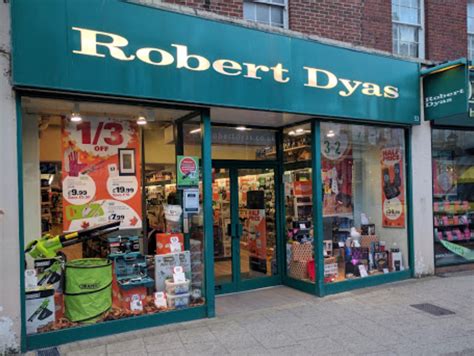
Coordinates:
[453,196]
[299,203]
[116,239]
[364,204]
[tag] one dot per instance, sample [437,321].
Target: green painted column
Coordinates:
[207,206]
[317,205]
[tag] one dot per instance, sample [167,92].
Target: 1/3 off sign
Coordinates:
[188,171]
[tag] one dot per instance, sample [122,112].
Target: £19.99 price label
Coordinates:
[122,188]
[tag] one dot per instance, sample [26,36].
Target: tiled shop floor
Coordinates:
[283,321]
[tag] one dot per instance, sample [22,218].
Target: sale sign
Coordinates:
[100,173]
[393,189]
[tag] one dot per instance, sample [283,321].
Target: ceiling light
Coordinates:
[195,131]
[141,120]
[300,130]
[241,128]
[291,133]
[330,133]
[75,115]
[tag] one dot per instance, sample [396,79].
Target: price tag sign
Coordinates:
[79,190]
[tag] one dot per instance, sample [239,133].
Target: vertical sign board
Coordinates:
[448,94]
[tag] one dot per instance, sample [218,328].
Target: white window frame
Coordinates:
[284,6]
[469,34]
[420,27]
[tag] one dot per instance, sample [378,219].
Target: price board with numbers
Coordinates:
[95,190]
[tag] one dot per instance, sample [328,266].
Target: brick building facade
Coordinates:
[366,23]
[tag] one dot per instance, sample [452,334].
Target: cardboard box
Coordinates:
[39,308]
[298,270]
[164,265]
[50,271]
[302,252]
[163,242]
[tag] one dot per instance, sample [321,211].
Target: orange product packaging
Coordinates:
[163,242]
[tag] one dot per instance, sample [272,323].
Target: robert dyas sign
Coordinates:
[104,44]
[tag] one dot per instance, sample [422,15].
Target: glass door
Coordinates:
[257,232]
[245,233]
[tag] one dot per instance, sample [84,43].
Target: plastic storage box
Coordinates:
[131,271]
[177,288]
[177,301]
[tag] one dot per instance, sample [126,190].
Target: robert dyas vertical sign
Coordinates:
[104,44]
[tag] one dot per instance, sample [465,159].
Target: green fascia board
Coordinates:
[59,337]
[44,40]
[456,121]
[371,281]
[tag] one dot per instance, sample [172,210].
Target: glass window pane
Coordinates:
[413,50]
[277,15]
[470,9]
[364,201]
[79,176]
[263,13]
[408,33]
[409,15]
[297,143]
[241,143]
[453,195]
[404,49]
[249,11]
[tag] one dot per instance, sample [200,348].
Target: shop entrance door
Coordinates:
[245,227]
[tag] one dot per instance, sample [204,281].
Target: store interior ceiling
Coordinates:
[57,107]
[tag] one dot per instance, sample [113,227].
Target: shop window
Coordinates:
[364,201]
[470,30]
[407,28]
[298,203]
[110,231]
[240,143]
[453,196]
[268,12]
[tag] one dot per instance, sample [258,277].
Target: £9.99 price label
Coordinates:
[79,190]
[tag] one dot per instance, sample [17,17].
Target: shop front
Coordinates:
[448,105]
[166,158]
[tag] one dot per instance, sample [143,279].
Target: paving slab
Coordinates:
[283,321]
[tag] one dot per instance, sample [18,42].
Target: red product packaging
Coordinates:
[59,306]
[163,242]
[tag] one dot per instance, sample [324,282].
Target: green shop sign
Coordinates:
[448,94]
[121,48]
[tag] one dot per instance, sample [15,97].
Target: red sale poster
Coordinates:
[100,173]
[393,189]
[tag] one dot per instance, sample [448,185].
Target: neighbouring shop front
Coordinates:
[166,158]
[448,105]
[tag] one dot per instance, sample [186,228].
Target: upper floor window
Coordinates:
[269,12]
[470,30]
[407,28]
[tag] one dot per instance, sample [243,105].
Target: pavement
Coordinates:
[283,321]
